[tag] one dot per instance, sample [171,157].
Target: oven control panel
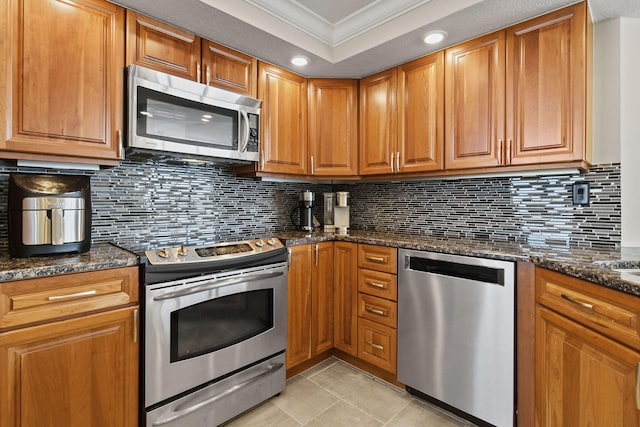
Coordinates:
[212,252]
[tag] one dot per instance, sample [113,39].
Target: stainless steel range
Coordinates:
[215,325]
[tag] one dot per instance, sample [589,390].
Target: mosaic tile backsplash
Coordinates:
[148,203]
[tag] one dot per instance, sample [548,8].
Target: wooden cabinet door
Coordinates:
[474,104]
[345,297]
[333,127]
[65,88]
[156,45]
[299,306]
[78,372]
[546,88]
[229,69]
[322,298]
[421,115]
[284,120]
[378,123]
[582,377]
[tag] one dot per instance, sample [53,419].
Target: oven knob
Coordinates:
[183,251]
[163,253]
[259,243]
[271,242]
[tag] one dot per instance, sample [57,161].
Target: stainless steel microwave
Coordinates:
[169,114]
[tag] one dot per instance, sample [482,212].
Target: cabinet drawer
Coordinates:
[377,344]
[35,300]
[613,313]
[379,258]
[378,310]
[383,285]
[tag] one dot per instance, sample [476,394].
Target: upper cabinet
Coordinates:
[159,46]
[519,96]
[547,109]
[63,98]
[229,69]
[154,44]
[402,118]
[284,121]
[378,123]
[421,115]
[333,127]
[474,82]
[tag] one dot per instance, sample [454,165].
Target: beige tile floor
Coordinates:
[335,394]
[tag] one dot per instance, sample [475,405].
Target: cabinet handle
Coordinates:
[120,146]
[198,73]
[313,169]
[262,160]
[392,157]
[374,258]
[135,325]
[398,162]
[638,385]
[509,142]
[208,74]
[316,255]
[575,301]
[376,285]
[500,152]
[74,295]
[375,311]
[379,347]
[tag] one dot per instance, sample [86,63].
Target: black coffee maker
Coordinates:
[302,216]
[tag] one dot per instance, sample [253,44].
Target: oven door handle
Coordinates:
[216,283]
[196,406]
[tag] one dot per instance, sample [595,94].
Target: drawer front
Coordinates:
[379,258]
[383,285]
[378,310]
[377,344]
[29,301]
[613,313]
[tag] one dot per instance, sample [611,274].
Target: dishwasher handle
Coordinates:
[481,273]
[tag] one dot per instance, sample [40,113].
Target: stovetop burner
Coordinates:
[211,252]
[187,261]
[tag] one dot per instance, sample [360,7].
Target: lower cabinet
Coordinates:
[377,306]
[587,353]
[310,303]
[345,297]
[69,350]
[78,372]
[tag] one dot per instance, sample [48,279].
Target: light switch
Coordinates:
[581,193]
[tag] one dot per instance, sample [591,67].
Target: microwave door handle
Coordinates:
[245,143]
[216,283]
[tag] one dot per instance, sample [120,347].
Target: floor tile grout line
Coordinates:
[398,414]
[368,376]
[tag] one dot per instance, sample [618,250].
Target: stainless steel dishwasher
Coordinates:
[456,332]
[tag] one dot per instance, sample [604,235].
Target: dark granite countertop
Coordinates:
[593,265]
[100,257]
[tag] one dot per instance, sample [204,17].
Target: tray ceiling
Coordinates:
[352,38]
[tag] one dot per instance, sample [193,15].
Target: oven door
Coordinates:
[200,329]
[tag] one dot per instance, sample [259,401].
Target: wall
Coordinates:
[616,106]
[149,204]
[143,204]
[630,129]
[534,210]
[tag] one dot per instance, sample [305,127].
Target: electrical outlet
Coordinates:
[581,193]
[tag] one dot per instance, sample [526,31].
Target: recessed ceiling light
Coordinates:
[435,37]
[299,61]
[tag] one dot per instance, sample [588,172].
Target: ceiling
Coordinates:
[352,38]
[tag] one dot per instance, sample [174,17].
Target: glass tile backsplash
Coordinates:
[149,203]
